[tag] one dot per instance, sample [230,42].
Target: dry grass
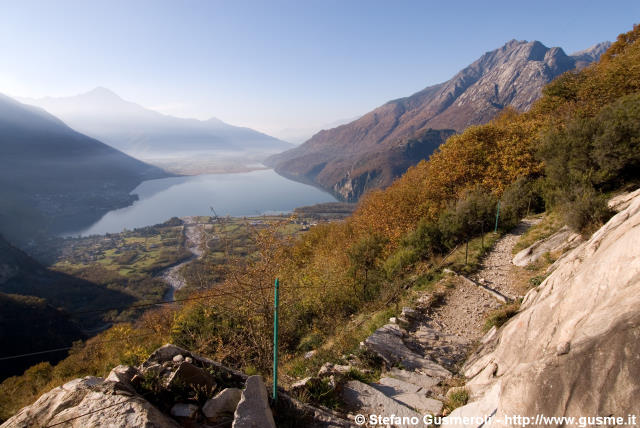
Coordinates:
[549,225]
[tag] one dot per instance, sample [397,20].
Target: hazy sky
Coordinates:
[275,64]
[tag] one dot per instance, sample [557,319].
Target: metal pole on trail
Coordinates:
[275,341]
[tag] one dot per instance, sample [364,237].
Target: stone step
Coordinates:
[367,399]
[388,343]
[409,394]
[420,402]
[423,381]
[397,386]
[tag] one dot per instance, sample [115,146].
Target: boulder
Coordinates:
[329,369]
[559,242]
[410,313]
[123,375]
[190,375]
[574,348]
[90,402]
[165,353]
[223,405]
[186,411]
[253,410]
[301,383]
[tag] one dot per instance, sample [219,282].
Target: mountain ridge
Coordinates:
[512,75]
[143,132]
[54,178]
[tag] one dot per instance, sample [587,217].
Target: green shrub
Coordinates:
[311,341]
[616,145]
[591,155]
[400,261]
[585,209]
[426,239]
[521,198]
[473,214]
[365,259]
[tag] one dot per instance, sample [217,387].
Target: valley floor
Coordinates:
[194,232]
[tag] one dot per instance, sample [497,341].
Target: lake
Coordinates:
[238,195]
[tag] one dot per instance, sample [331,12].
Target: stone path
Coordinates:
[497,269]
[425,345]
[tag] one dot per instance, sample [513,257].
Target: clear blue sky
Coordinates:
[275,64]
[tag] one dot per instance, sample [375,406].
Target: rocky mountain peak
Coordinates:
[587,56]
[352,158]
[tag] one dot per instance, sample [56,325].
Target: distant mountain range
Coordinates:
[53,178]
[302,134]
[378,147]
[152,136]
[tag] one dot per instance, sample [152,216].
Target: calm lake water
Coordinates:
[243,194]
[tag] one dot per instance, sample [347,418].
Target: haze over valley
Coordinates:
[182,146]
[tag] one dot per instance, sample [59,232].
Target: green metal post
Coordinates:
[495,230]
[275,342]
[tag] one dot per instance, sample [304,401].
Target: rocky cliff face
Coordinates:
[374,149]
[574,348]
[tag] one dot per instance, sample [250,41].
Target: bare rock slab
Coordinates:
[223,405]
[420,402]
[398,386]
[411,395]
[367,398]
[423,381]
[90,402]
[560,241]
[388,343]
[253,410]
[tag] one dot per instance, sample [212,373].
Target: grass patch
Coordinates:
[321,391]
[537,280]
[478,247]
[457,398]
[501,315]
[550,224]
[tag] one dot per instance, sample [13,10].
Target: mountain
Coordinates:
[46,327]
[372,150]
[302,134]
[151,136]
[54,179]
[30,318]
[587,56]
